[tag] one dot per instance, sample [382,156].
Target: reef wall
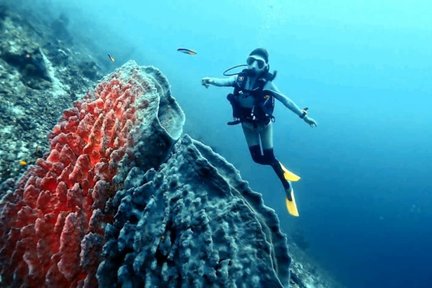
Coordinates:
[124,199]
[42,71]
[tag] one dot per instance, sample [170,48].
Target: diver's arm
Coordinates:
[287,102]
[220,82]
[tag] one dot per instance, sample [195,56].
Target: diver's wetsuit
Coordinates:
[259,134]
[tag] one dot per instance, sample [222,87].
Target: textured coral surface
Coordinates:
[41,74]
[124,200]
[192,223]
[52,225]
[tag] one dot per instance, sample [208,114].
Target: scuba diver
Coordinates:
[253,103]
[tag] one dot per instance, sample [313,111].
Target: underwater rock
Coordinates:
[7,186]
[57,210]
[3,13]
[30,64]
[89,70]
[192,223]
[39,78]
[123,199]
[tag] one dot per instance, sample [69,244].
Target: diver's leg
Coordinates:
[266,135]
[257,157]
[253,141]
[276,165]
[251,134]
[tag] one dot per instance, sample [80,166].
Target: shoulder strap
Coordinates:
[242,77]
[240,82]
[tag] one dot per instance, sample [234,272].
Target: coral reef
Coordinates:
[52,225]
[40,76]
[117,202]
[162,215]
[192,223]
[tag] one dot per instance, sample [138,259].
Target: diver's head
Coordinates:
[258,61]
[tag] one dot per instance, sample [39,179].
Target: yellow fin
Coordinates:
[292,206]
[290,176]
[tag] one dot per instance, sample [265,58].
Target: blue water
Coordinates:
[362,67]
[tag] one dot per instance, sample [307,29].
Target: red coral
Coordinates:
[59,202]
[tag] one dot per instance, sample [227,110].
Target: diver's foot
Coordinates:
[234,122]
[288,175]
[291,203]
[288,193]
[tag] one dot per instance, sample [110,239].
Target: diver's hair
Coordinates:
[262,52]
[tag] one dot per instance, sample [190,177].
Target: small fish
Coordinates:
[23,163]
[111,58]
[187,51]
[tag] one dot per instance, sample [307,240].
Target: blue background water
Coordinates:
[364,69]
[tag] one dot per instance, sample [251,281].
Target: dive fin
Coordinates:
[291,204]
[288,175]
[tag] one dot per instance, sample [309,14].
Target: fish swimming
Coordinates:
[111,58]
[187,51]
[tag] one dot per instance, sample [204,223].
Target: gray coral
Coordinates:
[193,223]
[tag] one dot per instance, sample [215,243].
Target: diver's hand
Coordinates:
[310,121]
[206,81]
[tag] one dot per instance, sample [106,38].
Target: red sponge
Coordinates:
[59,203]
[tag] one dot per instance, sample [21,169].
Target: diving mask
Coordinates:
[260,62]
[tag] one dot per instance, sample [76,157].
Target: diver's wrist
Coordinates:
[303,114]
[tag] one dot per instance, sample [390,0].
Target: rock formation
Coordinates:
[123,198]
[119,196]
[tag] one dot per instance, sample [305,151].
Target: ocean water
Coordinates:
[364,70]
